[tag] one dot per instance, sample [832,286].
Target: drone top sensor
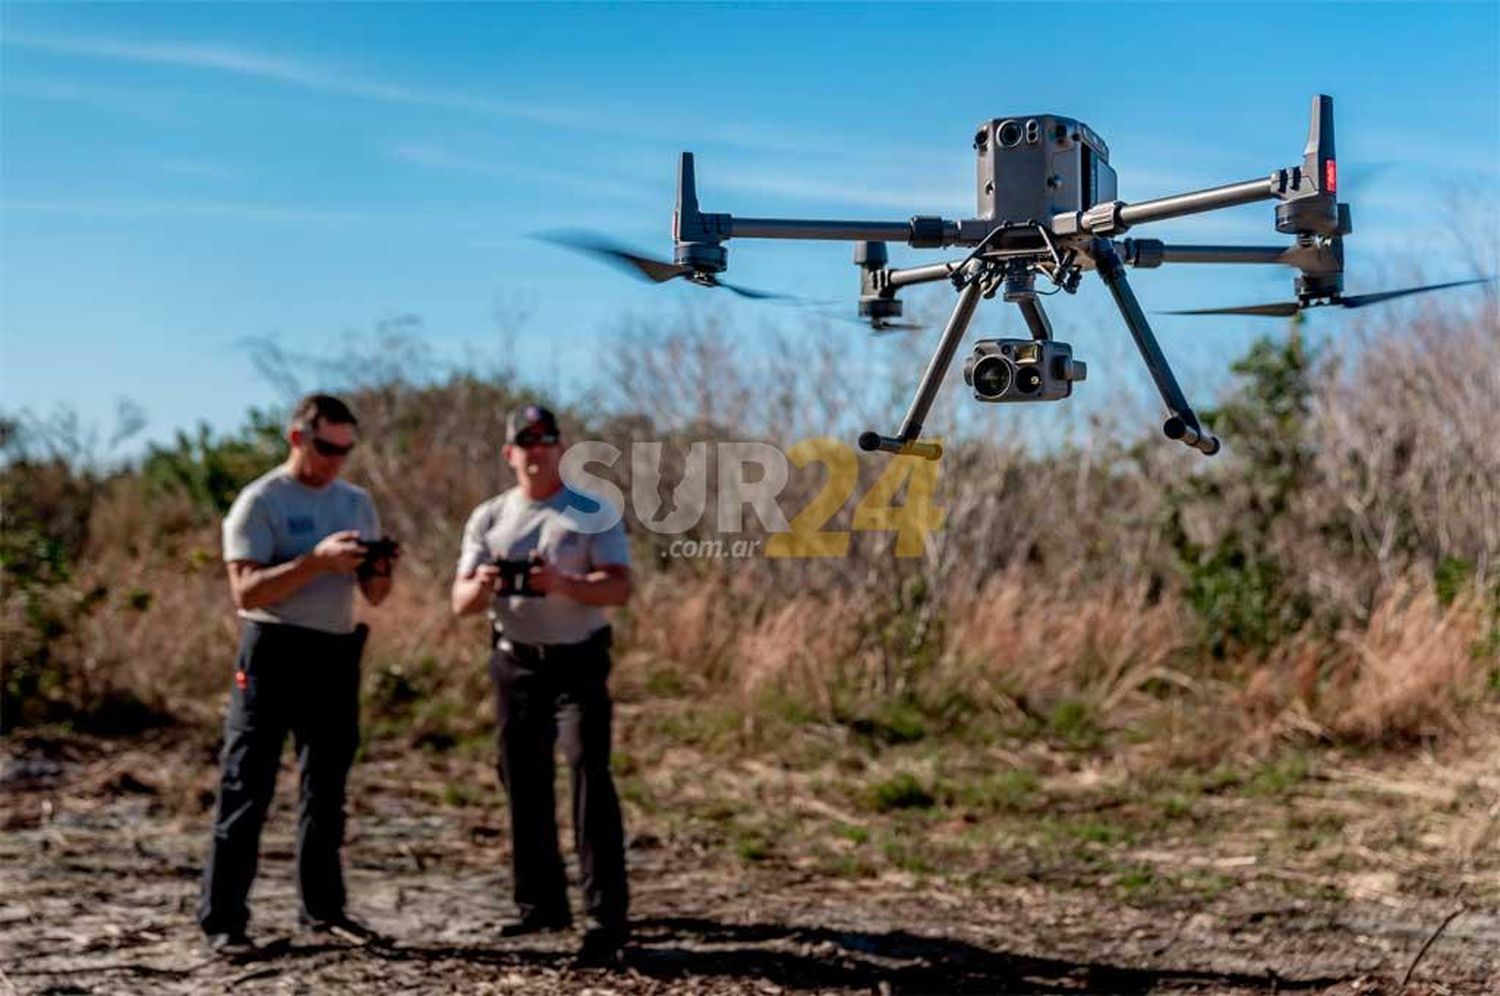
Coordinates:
[1046,206]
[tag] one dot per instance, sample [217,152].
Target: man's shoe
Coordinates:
[601,947]
[346,929]
[536,923]
[231,945]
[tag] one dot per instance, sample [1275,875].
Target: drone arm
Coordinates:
[1150,253]
[1114,217]
[838,231]
[1316,258]
[1181,423]
[1308,193]
[1199,201]
[693,226]
[897,279]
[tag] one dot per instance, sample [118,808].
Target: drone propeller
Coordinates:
[877,326]
[646,268]
[1286,309]
[886,328]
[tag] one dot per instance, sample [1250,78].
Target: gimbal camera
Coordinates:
[1047,207]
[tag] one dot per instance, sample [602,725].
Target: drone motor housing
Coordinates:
[1015,370]
[1035,167]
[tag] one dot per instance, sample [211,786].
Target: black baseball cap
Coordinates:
[530,420]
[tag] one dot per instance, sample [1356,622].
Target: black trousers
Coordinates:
[544,696]
[306,682]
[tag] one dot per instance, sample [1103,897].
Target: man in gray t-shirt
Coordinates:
[278,519]
[550,668]
[295,549]
[514,526]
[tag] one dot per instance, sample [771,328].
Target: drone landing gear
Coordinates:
[906,441]
[1181,423]
[978,278]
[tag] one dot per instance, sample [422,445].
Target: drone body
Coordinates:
[1046,206]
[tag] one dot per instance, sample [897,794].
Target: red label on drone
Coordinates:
[1330,176]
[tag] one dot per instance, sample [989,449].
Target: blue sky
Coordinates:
[177,178]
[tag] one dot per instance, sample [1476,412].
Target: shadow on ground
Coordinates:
[815,957]
[795,957]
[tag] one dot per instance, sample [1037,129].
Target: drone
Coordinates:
[1047,207]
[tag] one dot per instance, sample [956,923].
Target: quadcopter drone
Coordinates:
[1047,207]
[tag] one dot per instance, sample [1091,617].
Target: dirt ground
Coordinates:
[751,876]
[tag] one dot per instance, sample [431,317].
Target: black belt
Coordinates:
[599,639]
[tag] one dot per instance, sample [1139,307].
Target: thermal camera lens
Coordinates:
[1009,134]
[1028,380]
[991,377]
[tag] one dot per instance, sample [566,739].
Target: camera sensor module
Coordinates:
[1005,370]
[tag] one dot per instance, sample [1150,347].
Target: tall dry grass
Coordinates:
[1078,593]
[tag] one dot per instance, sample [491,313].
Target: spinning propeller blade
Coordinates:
[1360,300]
[754,295]
[1281,309]
[1286,309]
[655,270]
[886,328]
[633,263]
[878,326]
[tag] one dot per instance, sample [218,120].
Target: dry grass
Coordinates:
[1058,601]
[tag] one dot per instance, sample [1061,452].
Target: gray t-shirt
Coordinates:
[509,527]
[276,519]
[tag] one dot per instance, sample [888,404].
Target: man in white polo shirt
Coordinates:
[550,668]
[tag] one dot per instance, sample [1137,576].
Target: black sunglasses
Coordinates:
[330,449]
[528,439]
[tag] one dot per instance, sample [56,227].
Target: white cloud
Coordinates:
[149,105]
[305,75]
[323,79]
[200,168]
[299,214]
[601,185]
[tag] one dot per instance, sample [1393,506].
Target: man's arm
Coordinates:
[605,585]
[472,592]
[255,585]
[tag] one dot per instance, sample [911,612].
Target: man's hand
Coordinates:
[608,584]
[548,580]
[473,592]
[337,553]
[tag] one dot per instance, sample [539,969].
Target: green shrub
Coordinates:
[900,792]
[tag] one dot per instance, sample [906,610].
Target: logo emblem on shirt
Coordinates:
[299,524]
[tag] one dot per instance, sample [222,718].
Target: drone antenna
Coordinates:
[1318,161]
[697,247]
[1310,209]
[685,218]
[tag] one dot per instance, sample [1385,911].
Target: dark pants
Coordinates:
[542,696]
[307,682]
